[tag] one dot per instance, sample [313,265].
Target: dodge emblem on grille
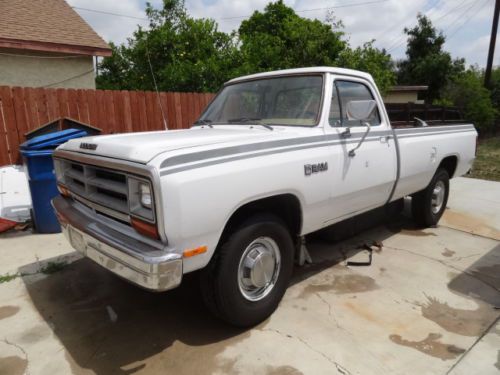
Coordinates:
[88,146]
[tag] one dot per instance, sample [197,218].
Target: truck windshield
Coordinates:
[289,101]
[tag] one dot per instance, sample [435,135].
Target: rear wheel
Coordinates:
[249,273]
[429,204]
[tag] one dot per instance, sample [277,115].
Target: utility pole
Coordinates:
[493,39]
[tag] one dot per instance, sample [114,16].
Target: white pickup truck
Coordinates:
[273,157]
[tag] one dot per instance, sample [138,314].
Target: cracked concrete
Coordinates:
[424,306]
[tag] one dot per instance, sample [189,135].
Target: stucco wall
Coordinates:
[42,70]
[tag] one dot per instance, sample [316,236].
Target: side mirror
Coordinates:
[360,109]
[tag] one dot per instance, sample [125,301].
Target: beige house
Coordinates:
[45,43]
[404,94]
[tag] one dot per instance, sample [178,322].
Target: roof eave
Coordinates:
[54,47]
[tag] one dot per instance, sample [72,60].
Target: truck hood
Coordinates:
[143,147]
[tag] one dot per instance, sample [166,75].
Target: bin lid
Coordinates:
[52,140]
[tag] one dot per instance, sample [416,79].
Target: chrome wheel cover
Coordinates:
[437,199]
[259,268]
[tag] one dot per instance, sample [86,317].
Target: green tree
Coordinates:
[185,54]
[372,60]
[426,62]
[466,91]
[278,38]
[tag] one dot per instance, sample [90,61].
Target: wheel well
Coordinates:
[449,163]
[285,206]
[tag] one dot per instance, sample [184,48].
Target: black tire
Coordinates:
[422,202]
[219,280]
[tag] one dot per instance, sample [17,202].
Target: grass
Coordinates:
[487,164]
[8,277]
[49,269]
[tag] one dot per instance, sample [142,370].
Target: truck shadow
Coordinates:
[111,327]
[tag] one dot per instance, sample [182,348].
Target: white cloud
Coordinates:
[467,23]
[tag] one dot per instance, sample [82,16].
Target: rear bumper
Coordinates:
[142,262]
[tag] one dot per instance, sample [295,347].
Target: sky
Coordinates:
[465,23]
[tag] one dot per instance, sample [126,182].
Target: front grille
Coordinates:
[104,187]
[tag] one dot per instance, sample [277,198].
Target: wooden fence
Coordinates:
[23,109]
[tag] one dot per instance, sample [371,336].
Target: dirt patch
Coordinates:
[447,253]
[459,321]
[417,233]
[13,365]
[342,285]
[6,311]
[283,370]
[469,224]
[430,346]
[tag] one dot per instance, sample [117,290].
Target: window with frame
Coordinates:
[346,91]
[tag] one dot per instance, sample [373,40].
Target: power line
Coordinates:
[466,20]
[70,78]
[111,13]
[402,40]
[315,9]
[235,17]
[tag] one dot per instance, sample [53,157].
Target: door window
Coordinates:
[347,91]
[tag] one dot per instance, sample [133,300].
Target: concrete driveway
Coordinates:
[427,304]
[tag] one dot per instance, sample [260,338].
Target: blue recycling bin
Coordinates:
[37,158]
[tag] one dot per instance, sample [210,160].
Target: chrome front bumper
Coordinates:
[141,261]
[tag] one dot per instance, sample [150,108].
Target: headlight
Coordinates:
[145,195]
[140,198]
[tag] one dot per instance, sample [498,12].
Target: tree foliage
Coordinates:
[188,54]
[466,91]
[426,62]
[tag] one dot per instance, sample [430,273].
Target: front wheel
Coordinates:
[249,273]
[429,204]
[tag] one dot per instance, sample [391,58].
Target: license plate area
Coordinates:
[77,240]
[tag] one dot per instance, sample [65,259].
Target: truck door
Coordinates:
[365,180]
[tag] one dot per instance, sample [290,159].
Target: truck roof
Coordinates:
[316,69]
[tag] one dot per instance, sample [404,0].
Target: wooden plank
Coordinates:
[185,110]
[127,116]
[178,110]
[73,105]
[118,103]
[20,109]
[83,106]
[110,126]
[10,124]
[100,110]
[143,118]
[31,110]
[53,110]
[92,107]
[5,157]
[62,98]
[134,111]
[150,112]
[41,106]
[171,116]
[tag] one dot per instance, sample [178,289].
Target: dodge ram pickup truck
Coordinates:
[273,157]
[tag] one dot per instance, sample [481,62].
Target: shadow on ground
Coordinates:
[111,327]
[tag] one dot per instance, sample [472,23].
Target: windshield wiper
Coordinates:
[257,120]
[203,122]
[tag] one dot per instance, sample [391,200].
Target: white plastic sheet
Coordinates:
[15,198]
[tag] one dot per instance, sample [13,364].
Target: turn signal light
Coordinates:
[145,228]
[193,252]
[64,192]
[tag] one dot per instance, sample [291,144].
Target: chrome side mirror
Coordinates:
[360,110]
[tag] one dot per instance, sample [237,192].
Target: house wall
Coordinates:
[38,69]
[401,97]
